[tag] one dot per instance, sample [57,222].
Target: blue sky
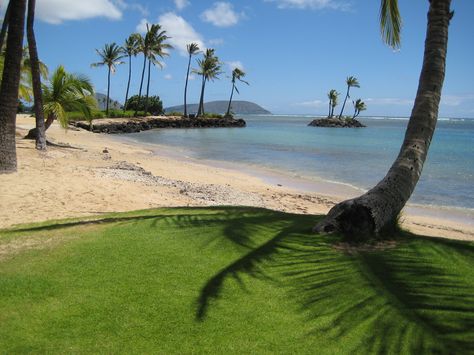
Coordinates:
[294,51]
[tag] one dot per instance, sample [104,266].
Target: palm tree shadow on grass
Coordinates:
[405,299]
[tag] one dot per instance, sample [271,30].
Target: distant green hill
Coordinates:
[238,107]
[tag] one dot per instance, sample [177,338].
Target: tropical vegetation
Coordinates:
[351,81]
[333,96]
[131,49]
[110,56]
[359,106]
[237,75]
[155,105]
[209,68]
[192,49]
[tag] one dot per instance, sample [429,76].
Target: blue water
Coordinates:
[359,157]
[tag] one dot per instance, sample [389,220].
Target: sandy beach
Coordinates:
[101,174]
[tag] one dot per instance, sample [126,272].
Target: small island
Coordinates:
[336,123]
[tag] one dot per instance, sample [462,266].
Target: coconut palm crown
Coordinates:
[333,96]
[131,49]
[351,82]
[192,49]
[209,67]
[359,106]
[237,74]
[110,56]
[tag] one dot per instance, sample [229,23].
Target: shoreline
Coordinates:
[109,174]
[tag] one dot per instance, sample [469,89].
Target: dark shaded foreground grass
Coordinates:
[228,280]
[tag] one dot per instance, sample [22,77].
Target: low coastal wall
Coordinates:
[134,125]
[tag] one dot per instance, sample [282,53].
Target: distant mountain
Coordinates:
[101,100]
[238,107]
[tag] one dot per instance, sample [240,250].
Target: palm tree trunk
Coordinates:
[345,99]
[378,209]
[230,100]
[147,87]
[36,78]
[201,100]
[186,88]
[108,93]
[329,113]
[3,32]
[10,85]
[128,83]
[141,85]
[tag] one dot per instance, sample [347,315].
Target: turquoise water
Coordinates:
[359,157]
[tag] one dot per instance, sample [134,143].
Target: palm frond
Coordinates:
[390,23]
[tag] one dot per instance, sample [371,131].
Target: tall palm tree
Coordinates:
[3,31]
[157,48]
[131,49]
[110,56]
[67,92]
[351,81]
[359,106]
[209,69]
[192,48]
[36,77]
[9,86]
[333,96]
[237,74]
[378,208]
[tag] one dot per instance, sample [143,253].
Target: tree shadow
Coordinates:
[415,297]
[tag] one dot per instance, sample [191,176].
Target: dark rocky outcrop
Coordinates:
[135,125]
[336,123]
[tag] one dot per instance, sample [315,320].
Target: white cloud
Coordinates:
[181,4]
[215,42]
[131,6]
[389,101]
[168,77]
[312,4]
[235,64]
[57,11]
[313,103]
[222,14]
[456,100]
[180,31]
[141,27]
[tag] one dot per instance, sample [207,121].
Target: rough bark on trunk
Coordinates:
[378,209]
[230,100]
[3,32]
[36,78]
[10,85]
[108,94]
[128,83]
[141,85]
[147,88]
[186,87]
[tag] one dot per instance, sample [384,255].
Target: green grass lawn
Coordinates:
[228,280]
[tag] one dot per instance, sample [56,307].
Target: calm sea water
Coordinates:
[359,157]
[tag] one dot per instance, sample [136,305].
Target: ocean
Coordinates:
[283,145]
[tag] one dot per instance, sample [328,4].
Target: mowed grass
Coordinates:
[228,280]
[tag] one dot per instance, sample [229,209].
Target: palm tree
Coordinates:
[157,47]
[9,86]
[131,49]
[209,69]
[359,106]
[110,56]
[3,32]
[67,92]
[351,81]
[237,74]
[192,48]
[36,78]
[378,208]
[333,96]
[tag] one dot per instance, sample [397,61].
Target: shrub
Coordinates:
[155,106]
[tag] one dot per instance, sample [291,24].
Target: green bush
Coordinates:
[155,106]
[174,113]
[79,116]
[213,115]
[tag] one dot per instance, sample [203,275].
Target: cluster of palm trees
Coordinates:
[333,97]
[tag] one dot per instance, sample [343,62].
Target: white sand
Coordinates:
[66,182]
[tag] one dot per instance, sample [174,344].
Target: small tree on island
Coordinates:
[237,74]
[351,81]
[155,105]
[333,96]
[359,106]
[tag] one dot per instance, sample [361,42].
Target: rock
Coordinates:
[336,123]
[105,150]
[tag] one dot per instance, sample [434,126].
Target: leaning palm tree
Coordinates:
[359,106]
[332,96]
[110,56]
[131,49]
[209,69]
[157,48]
[192,48]
[378,208]
[67,92]
[351,81]
[10,84]
[237,74]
